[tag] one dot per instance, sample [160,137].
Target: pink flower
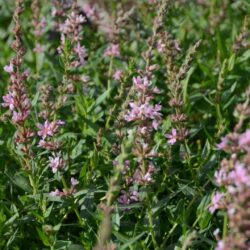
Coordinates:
[223,144]
[90,12]
[74,182]
[128,197]
[240,175]
[9,68]
[72,28]
[56,162]
[216,202]
[244,140]
[81,52]
[141,112]
[112,50]
[220,246]
[124,199]
[118,75]
[161,46]
[221,176]
[156,124]
[141,83]
[172,137]
[45,129]
[134,196]
[40,27]
[49,129]
[9,101]
[56,193]
[19,117]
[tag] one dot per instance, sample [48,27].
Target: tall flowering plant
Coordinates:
[17,100]
[233,177]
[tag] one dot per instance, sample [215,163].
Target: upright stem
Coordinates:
[110,75]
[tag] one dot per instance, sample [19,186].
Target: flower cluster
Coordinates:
[113,50]
[39,25]
[146,118]
[170,48]
[141,110]
[46,132]
[60,6]
[56,162]
[71,30]
[91,12]
[72,26]
[17,100]
[234,177]
[127,198]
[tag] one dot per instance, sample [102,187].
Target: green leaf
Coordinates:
[99,100]
[221,47]
[20,181]
[78,149]
[35,99]
[206,150]
[131,241]
[185,83]
[231,62]
[203,214]
[43,237]
[75,247]
[48,211]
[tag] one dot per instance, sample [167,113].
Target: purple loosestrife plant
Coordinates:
[17,99]
[106,155]
[145,118]
[39,26]
[234,177]
[171,50]
[72,52]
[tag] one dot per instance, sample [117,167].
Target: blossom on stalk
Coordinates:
[9,101]
[172,138]
[56,162]
[81,52]
[72,26]
[234,177]
[74,182]
[223,144]
[113,50]
[91,12]
[49,128]
[142,110]
[118,75]
[49,145]
[244,140]
[216,202]
[129,197]
[16,99]
[9,68]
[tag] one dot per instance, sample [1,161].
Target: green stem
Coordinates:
[225,226]
[81,222]
[109,75]
[151,227]
[33,184]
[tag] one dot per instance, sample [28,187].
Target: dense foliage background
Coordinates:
[90,179]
